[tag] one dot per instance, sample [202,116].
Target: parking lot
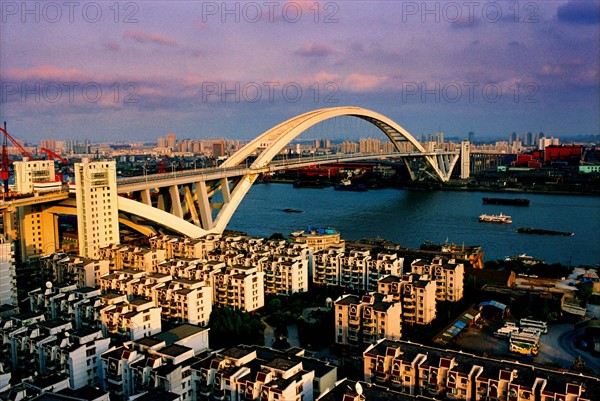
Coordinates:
[557,348]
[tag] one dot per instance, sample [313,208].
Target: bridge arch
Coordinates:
[282,134]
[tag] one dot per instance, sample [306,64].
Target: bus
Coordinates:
[524,344]
[536,324]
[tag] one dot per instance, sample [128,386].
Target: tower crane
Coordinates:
[5,171]
[52,154]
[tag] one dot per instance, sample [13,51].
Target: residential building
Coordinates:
[8,275]
[132,320]
[419,370]
[97,206]
[353,269]
[239,287]
[367,319]
[318,238]
[326,268]
[251,372]
[448,276]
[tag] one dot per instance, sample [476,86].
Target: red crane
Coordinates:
[5,162]
[51,154]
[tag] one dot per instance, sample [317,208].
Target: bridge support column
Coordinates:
[176,201]
[191,207]
[225,190]
[204,205]
[145,195]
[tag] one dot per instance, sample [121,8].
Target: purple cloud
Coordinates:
[144,37]
[314,50]
[579,12]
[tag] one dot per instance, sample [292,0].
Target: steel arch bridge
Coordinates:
[202,202]
[235,181]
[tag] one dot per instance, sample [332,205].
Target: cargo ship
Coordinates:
[309,184]
[491,218]
[541,231]
[506,201]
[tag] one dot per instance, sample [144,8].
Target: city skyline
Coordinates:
[138,71]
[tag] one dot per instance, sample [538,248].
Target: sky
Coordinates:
[138,70]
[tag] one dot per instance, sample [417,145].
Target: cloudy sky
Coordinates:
[116,71]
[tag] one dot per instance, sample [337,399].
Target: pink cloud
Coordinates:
[112,46]
[144,37]
[361,83]
[44,72]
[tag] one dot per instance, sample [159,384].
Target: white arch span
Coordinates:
[279,136]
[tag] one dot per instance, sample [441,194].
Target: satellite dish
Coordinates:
[48,284]
[359,389]
[67,334]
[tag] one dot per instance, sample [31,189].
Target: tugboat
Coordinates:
[491,218]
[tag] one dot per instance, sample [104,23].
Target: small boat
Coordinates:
[288,210]
[506,201]
[541,231]
[347,185]
[491,218]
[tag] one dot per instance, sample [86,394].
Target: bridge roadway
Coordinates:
[147,181]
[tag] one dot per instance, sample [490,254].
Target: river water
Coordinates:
[411,217]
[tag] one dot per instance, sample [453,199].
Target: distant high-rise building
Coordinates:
[171,141]
[218,149]
[161,142]
[529,140]
[465,159]
[471,137]
[513,137]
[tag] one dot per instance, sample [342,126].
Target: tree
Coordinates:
[229,327]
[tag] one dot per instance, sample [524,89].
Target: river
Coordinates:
[411,217]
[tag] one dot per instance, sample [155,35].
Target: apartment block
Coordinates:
[184,300]
[239,287]
[285,274]
[326,268]
[384,264]
[353,269]
[180,247]
[417,297]
[418,370]
[367,319]
[53,347]
[8,274]
[82,271]
[131,320]
[32,175]
[97,206]
[252,372]
[447,274]
[131,257]
[318,238]
[160,364]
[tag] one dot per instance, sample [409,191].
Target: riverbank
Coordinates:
[459,186]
